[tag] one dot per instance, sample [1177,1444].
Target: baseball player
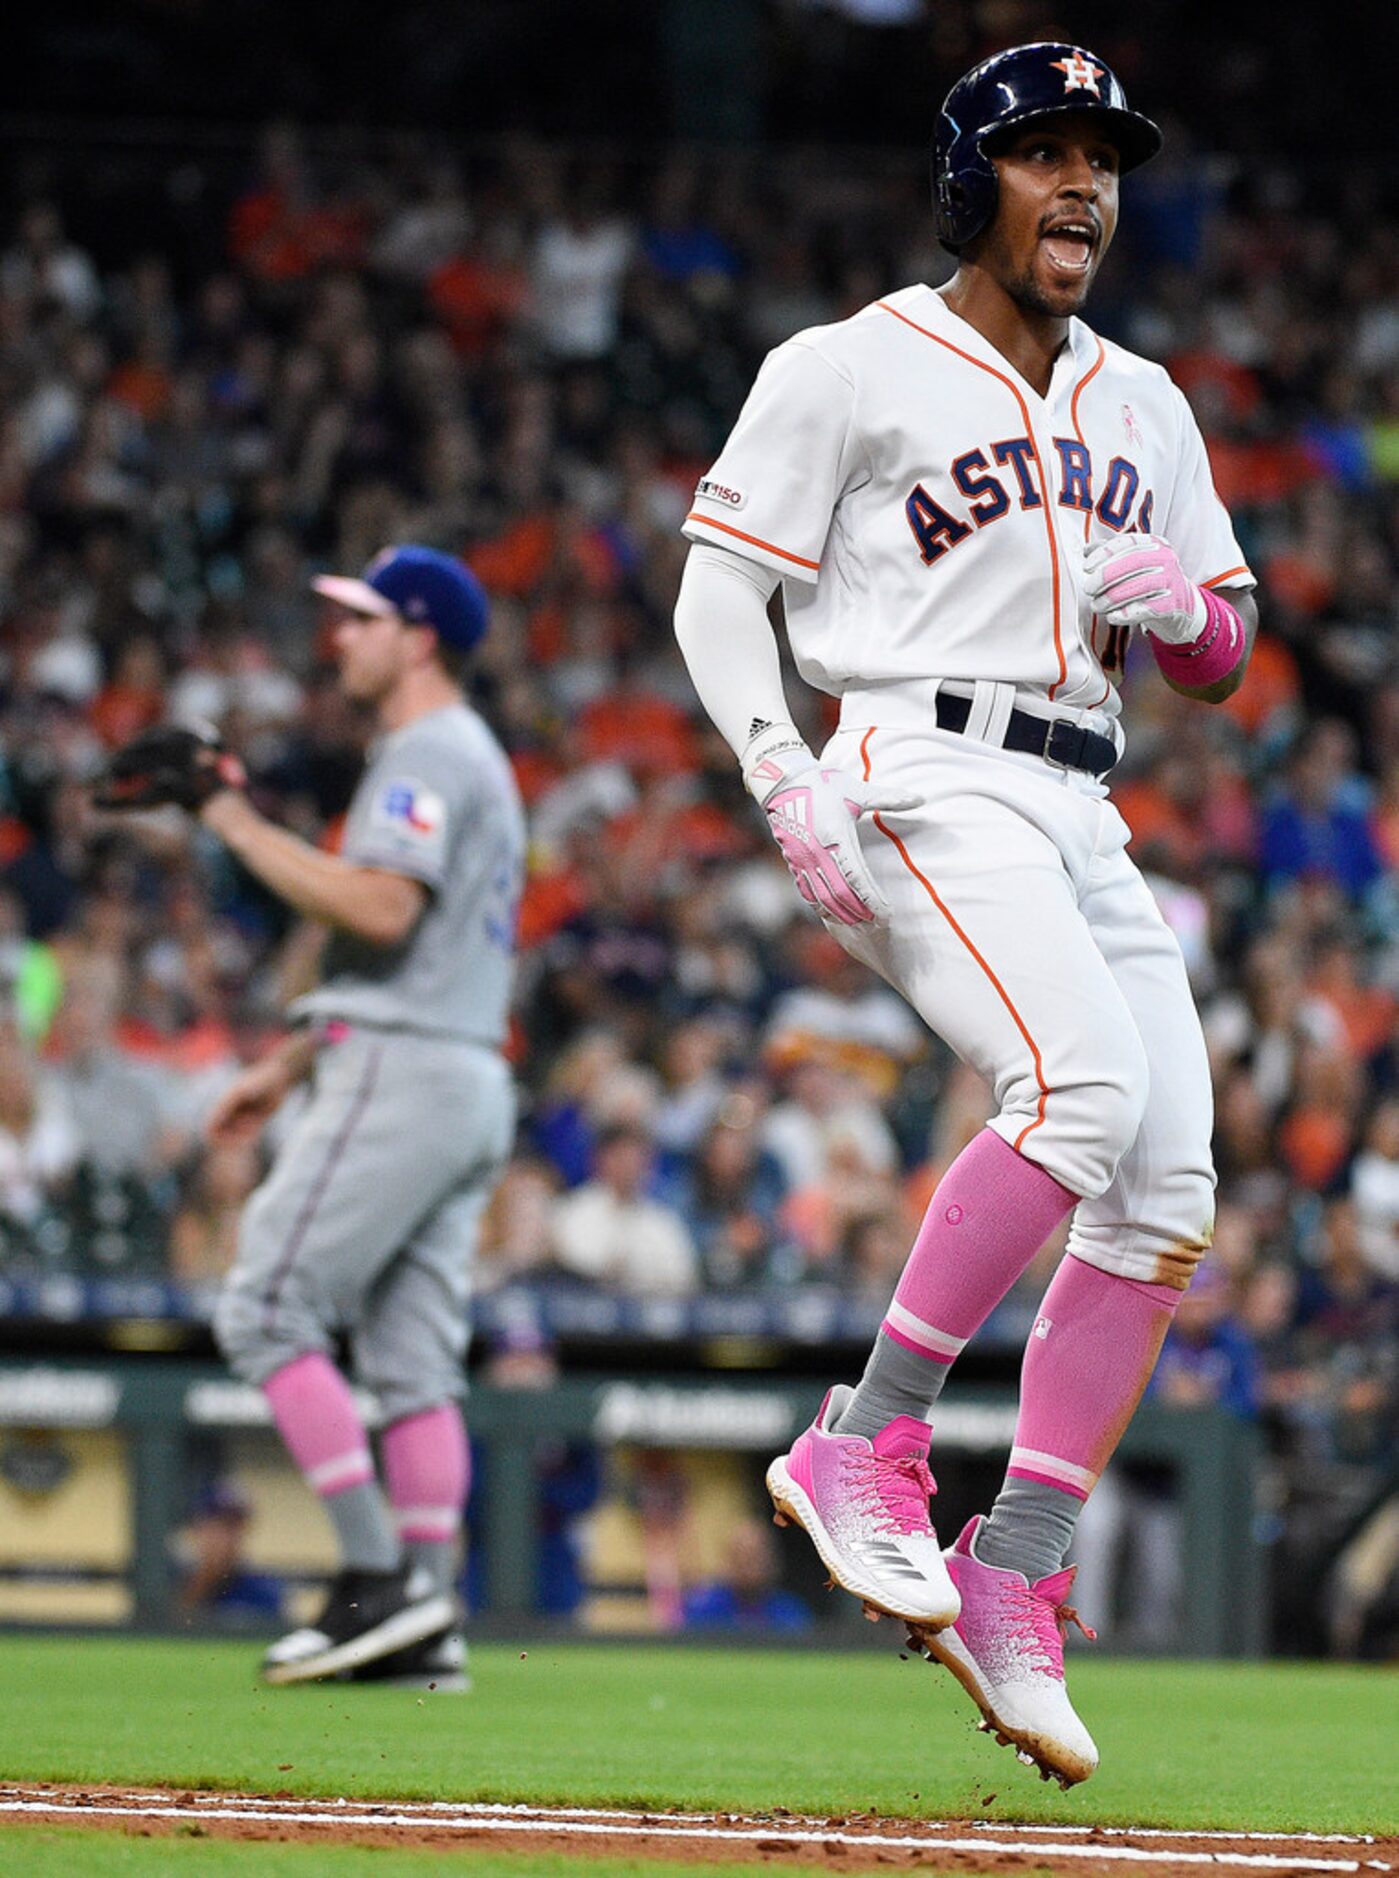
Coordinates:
[366,1223]
[970,502]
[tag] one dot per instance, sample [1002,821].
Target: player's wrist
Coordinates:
[774,753]
[226,812]
[1211,654]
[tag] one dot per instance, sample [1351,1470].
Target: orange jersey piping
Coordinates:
[1083,382]
[1013,389]
[999,988]
[755,541]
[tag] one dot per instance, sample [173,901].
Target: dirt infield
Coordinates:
[854,1843]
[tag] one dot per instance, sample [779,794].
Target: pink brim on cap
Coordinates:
[357,596]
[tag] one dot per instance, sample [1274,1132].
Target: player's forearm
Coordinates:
[1244,604]
[371,903]
[298,967]
[727,641]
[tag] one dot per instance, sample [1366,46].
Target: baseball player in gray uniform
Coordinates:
[366,1223]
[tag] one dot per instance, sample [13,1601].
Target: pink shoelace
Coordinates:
[1043,1625]
[898,1490]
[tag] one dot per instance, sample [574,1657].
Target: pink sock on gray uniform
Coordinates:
[315,1411]
[427,1470]
[316,1414]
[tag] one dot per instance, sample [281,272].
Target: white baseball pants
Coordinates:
[1024,936]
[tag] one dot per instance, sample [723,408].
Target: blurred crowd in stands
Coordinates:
[528,357]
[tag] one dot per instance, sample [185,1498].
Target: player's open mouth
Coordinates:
[1070,246]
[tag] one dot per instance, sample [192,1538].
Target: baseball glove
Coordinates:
[172,763]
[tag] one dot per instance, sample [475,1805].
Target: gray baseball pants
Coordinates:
[367,1223]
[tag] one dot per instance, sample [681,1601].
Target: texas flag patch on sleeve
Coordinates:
[409,809]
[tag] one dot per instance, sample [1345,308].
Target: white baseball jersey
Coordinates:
[927,509]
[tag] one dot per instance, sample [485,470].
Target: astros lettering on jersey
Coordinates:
[927,509]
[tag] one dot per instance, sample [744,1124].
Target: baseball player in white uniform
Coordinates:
[970,502]
[367,1223]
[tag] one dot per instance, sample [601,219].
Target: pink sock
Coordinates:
[315,1412]
[991,1213]
[427,1469]
[1089,1357]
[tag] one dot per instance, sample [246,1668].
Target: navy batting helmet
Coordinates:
[998,96]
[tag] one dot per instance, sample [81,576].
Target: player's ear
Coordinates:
[424,645]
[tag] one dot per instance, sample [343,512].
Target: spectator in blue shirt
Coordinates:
[746,1595]
[1209,1356]
[730,1196]
[1318,822]
[215,1580]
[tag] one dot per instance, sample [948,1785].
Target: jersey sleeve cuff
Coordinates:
[1240,576]
[723,534]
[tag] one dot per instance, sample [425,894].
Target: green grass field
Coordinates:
[1289,1747]
[64,1852]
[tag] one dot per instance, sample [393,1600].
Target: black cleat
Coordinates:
[438,1664]
[367,1615]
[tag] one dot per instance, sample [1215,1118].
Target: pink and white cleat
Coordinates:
[864,1506]
[1007,1651]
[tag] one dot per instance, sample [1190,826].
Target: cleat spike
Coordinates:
[983,1726]
[780,1519]
[873,1613]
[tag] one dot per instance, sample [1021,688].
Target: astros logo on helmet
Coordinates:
[997,97]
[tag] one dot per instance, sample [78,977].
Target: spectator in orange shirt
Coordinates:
[134,696]
[1366,1010]
[1316,1138]
[1268,706]
[632,724]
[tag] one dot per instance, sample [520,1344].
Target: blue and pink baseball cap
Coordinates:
[420,586]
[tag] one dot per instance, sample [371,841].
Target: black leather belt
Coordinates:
[1057,739]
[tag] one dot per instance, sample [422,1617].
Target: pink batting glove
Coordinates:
[812,813]
[1136,580]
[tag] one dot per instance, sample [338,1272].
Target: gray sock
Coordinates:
[438,1558]
[360,1515]
[1030,1529]
[895,1382]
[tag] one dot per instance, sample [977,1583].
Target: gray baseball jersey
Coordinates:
[438,803]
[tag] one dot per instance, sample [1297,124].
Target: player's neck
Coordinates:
[1030,341]
[426,688]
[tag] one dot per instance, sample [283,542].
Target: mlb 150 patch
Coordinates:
[720,492]
[410,809]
